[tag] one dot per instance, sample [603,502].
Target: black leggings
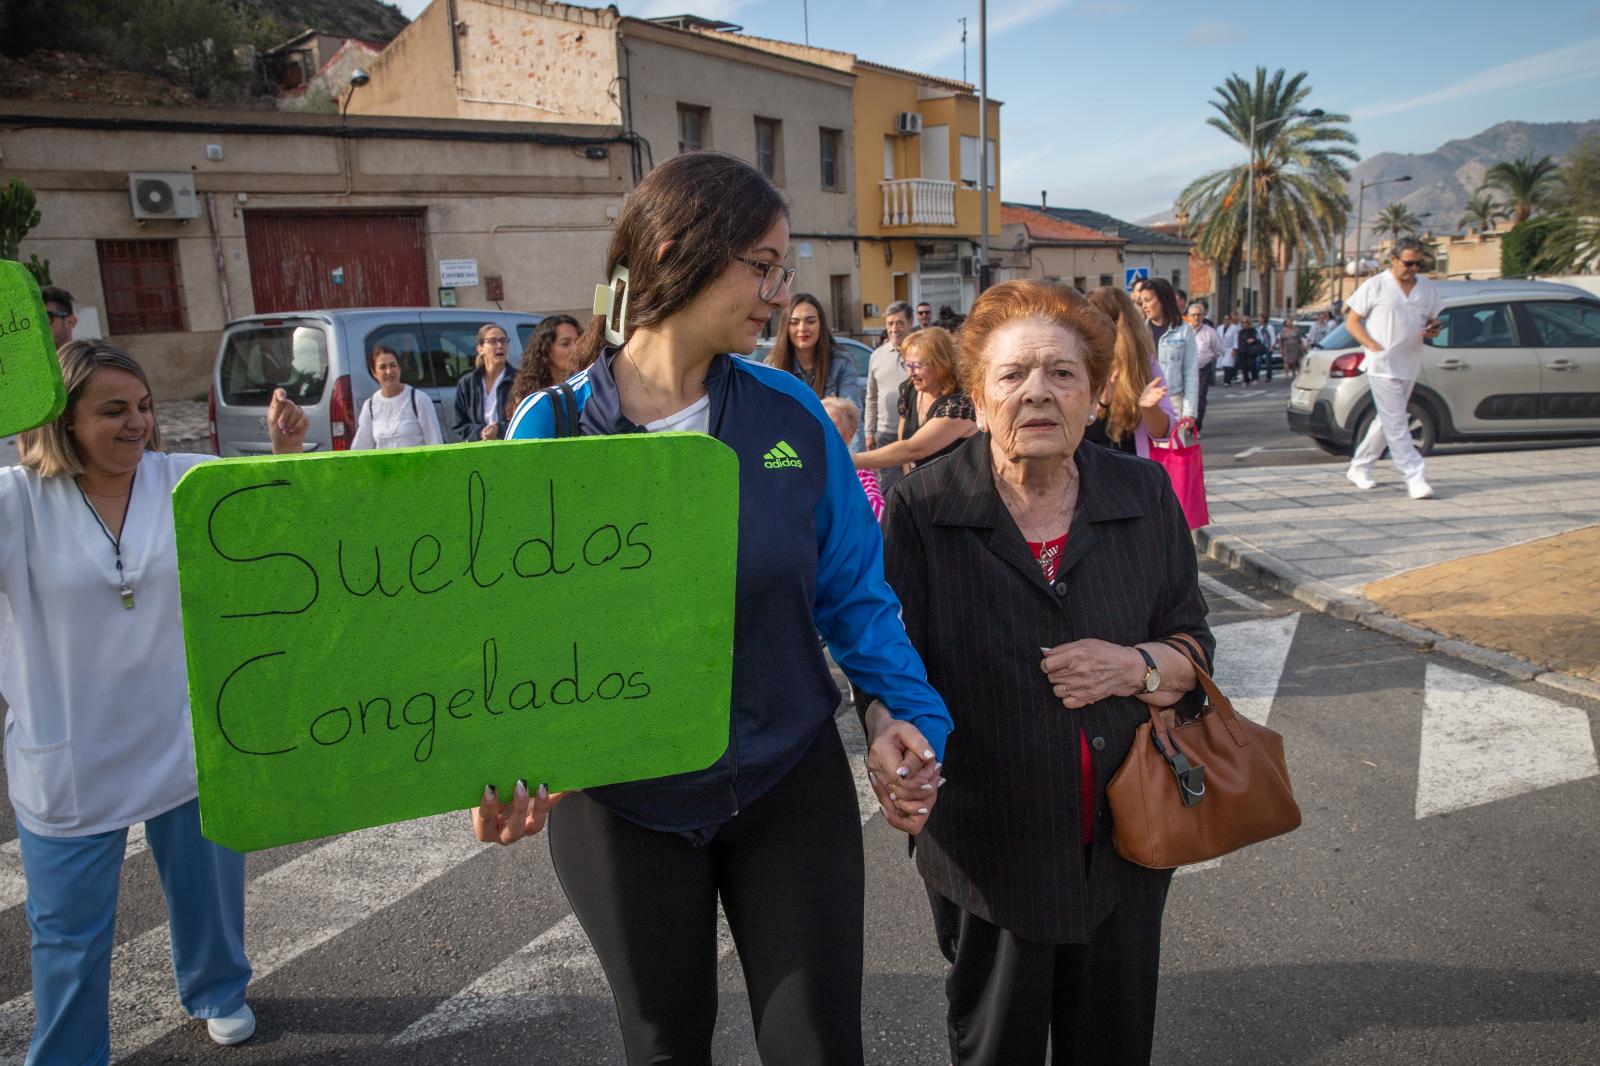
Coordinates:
[789,871]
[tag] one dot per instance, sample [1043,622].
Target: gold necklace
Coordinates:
[645,386]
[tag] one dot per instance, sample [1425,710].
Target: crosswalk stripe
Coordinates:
[1483,742]
[290,910]
[561,963]
[1250,660]
[14,887]
[1212,585]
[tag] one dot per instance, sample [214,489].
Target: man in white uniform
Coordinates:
[1390,315]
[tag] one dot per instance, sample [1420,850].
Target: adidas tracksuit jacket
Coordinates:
[810,560]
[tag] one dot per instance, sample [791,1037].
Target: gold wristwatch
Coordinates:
[1152,675]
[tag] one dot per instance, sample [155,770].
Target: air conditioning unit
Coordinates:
[163,196]
[907,123]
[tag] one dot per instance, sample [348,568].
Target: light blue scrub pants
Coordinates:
[72,911]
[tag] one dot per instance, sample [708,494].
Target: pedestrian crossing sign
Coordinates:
[1131,276]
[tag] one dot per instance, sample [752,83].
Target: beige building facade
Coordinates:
[668,90]
[1034,245]
[271,211]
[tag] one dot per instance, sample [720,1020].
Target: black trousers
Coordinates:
[789,872]
[1207,374]
[1094,1004]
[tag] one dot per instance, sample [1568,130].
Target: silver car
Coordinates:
[1515,360]
[320,359]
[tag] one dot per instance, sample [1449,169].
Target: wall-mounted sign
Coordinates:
[458,273]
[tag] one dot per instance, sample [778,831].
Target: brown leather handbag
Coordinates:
[1206,787]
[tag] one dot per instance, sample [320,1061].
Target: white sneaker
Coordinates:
[1360,479]
[1419,489]
[233,1028]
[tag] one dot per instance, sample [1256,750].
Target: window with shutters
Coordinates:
[143,290]
[769,149]
[694,128]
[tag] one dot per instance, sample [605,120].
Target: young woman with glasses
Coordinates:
[772,829]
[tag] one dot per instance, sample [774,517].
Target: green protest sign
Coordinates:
[31,392]
[374,636]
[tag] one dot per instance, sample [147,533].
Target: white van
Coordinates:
[320,359]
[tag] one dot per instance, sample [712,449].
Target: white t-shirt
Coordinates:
[491,395]
[696,418]
[97,735]
[404,421]
[1395,319]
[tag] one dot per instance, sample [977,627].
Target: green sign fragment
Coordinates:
[374,636]
[31,392]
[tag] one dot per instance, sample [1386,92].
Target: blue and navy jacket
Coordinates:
[810,560]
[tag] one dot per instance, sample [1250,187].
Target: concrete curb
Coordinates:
[1236,553]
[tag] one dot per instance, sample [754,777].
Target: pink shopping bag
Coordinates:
[1188,474]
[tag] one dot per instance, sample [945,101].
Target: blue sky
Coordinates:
[1106,100]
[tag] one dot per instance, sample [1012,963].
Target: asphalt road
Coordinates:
[1436,906]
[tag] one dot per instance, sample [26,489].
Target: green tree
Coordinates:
[1527,183]
[1297,170]
[1523,249]
[19,213]
[1396,221]
[1572,245]
[1482,212]
[195,38]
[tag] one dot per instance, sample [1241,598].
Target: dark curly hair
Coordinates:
[538,370]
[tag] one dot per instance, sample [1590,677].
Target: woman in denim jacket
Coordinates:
[1176,349]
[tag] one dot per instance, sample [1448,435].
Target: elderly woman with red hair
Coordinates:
[1039,580]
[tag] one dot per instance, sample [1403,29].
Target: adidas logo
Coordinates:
[782,455]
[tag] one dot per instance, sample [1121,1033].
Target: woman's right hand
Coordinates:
[494,822]
[1153,394]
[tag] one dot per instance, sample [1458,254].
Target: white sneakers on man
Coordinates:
[233,1028]
[1418,489]
[1360,478]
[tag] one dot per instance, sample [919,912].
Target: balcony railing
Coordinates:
[919,202]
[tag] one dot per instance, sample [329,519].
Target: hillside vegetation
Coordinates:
[182,49]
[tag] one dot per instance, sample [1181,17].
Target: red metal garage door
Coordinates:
[303,261]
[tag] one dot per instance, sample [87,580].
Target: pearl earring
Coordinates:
[1091,419]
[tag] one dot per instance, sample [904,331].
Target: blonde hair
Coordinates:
[838,405]
[1133,352]
[49,450]
[935,345]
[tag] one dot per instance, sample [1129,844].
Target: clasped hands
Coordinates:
[901,767]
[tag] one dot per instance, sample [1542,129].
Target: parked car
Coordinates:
[1515,360]
[320,359]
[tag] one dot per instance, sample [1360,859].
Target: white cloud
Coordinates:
[1014,17]
[1573,62]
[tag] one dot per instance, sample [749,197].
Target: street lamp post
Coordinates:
[1360,197]
[1250,195]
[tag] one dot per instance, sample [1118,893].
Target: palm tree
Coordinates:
[1298,171]
[1482,212]
[1396,221]
[1526,182]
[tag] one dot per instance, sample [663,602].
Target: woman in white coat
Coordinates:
[97,734]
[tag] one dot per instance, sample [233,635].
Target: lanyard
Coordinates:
[126,590]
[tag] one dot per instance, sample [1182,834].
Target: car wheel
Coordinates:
[1424,430]
[1331,447]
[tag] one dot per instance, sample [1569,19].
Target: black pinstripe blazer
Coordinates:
[1004,840]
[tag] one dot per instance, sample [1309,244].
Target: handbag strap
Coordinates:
[1219,703]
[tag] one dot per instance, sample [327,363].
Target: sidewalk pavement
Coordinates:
[1446,572]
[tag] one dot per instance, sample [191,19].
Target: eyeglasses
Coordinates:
[915,366]
[1411,264]
[58,314]
[775,277]
[497,341]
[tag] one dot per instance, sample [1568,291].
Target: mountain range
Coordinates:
[1443,180]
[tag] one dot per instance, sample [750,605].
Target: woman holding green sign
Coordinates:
[772,829]
[98,736]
